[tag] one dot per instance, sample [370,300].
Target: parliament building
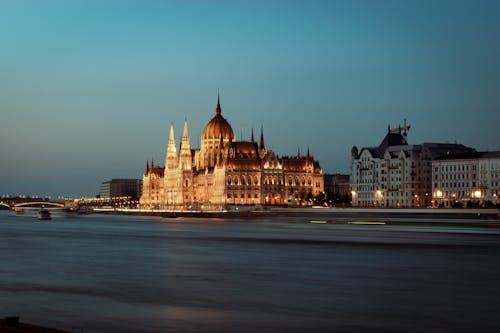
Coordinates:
[225,172]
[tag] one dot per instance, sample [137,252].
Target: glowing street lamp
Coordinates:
[378,196]
[353,197]
[477,194]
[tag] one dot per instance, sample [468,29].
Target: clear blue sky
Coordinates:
[88,88]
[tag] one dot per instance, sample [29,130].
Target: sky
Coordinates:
[88,89]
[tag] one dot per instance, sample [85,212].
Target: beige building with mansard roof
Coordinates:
[396,174]
[225,172]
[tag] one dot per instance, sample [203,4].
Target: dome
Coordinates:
[218,126]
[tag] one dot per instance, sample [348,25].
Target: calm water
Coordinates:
[130,274]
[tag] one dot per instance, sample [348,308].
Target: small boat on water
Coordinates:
[44,214]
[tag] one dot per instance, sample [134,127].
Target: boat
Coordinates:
[44,214]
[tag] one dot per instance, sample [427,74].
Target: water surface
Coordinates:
[100,273]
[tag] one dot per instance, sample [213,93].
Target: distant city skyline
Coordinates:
[88,89]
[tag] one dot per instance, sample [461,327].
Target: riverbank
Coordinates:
[466,217]
[13,325]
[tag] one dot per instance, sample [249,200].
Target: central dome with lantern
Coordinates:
[218,127]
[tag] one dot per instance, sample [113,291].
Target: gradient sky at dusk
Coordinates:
[88,88]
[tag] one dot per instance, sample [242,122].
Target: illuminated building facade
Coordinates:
[466,179]
[395,174]
[225,172]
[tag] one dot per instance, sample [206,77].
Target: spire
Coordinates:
[262,146]
[185,135]
[308,154]
[147,166]
[252,139]
[171,141]
[185,160]
[298,152]
[218,110]
[152,164]
[171,156]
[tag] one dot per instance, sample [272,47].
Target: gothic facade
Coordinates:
[225,172]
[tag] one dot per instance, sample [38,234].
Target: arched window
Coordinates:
[229,180]
[303,180]
[290,180]
[243,180]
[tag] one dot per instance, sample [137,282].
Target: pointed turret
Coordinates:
[147,167]
[152,164]
[171,158]
[308,154]
[185,137]
[185,153]
[298,152]
[262,146]
[252,139]
[218,110]
[171,141]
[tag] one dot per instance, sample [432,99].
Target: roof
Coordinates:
[245,147]
[438,150]
[392,139]
[470,155]
[160,171]
[218,126]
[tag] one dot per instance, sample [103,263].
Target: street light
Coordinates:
[439,196]
[378,195]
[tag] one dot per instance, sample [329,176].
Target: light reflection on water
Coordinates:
[128,274]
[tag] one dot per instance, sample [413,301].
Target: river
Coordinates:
[99,273]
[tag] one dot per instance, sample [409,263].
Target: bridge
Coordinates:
[39,204]
[83,204]
[14,203]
